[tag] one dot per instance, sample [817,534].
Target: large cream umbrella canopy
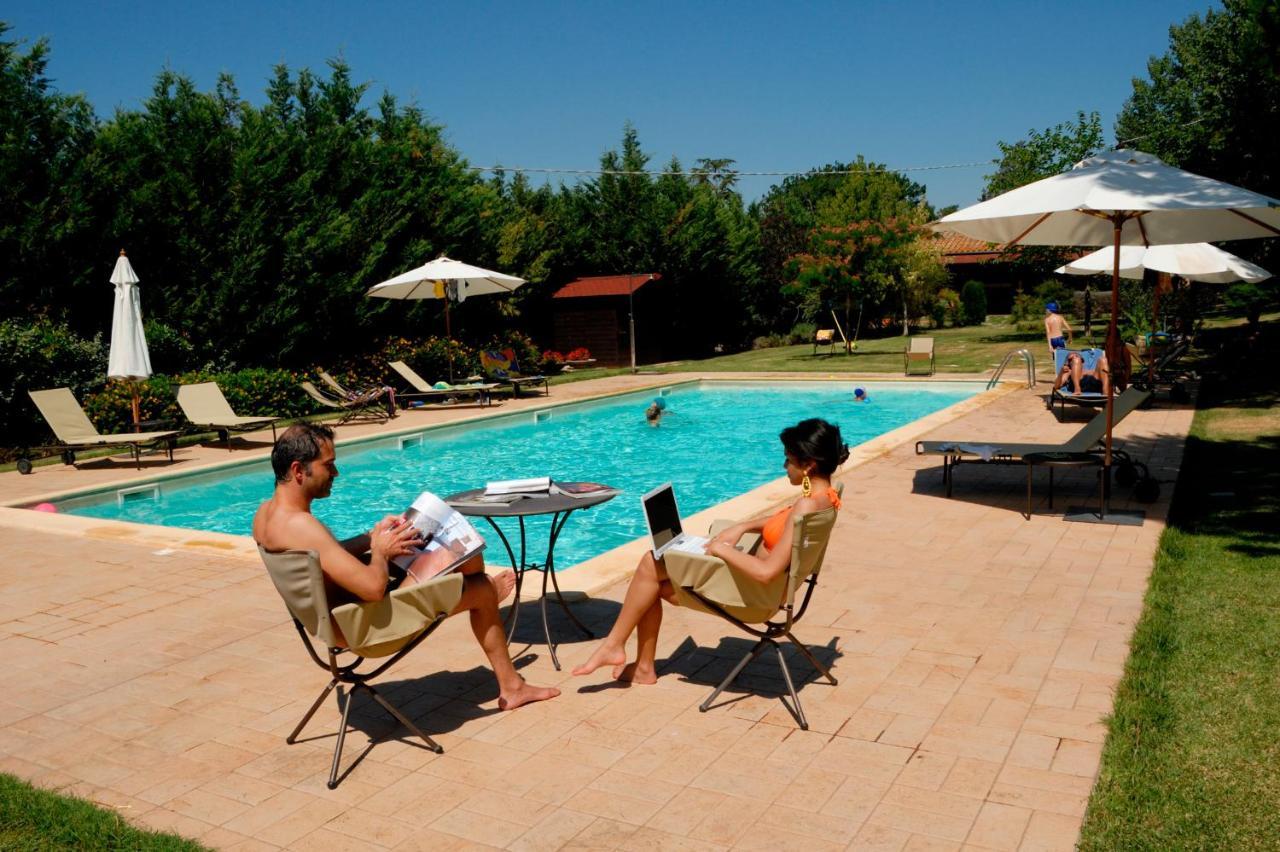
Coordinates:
[443,278]
[128,359]
[466,280]
[1193,261]
[1119,198]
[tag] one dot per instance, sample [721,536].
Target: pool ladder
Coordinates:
[1031,368]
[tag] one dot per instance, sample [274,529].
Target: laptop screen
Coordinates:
[663,516]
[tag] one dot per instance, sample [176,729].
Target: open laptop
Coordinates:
[663,518]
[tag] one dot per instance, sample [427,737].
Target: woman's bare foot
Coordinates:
[503,583]
[632,673]
[603,656]
[526,694]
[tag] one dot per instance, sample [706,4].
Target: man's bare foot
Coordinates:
[526,694]
[632,673]
[603,656]
[503,583]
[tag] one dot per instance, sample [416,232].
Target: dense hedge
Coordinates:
[38,354]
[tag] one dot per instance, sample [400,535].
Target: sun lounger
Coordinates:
[919,351]
[502,367]
[352,409]
[74,431]
[1064,395]
[1088,439]
[441,391]
[767,612]
[206,407]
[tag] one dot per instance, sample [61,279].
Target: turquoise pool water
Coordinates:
[717,441]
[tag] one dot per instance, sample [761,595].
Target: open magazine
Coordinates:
[441,527]
[581,490]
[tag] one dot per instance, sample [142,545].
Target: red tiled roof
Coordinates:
[957,248]
[605,285]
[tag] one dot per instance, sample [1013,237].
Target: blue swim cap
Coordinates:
[1052,307]
[661,403]
[859,392]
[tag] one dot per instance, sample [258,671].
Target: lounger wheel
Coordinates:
[1126,474]
[68,457]
[1147,490]
[24,466]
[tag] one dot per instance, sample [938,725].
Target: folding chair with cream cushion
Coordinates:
[391,627]
[768,612]
[205,406]
[824,337]
[75,432]
[919,351]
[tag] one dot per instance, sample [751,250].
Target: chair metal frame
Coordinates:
[357,681]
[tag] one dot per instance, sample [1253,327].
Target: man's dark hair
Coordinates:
[299,443]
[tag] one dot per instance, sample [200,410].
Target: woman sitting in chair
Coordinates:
[814,449]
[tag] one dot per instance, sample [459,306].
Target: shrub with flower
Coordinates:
[582,353]
[552,362]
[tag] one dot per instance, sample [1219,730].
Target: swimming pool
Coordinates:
[718,440]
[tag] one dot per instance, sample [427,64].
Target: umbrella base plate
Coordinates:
[1115,517]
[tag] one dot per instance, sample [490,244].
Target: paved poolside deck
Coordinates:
[976,652]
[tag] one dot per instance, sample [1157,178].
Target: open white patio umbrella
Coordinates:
[446,279]
[128,359]
[1119,198]
[1193,261]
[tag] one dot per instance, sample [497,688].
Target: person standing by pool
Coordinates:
[1055,327]
[814,449]
[303,462]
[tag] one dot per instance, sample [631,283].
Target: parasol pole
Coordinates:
[1112,345]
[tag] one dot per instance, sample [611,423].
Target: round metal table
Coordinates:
[560,507]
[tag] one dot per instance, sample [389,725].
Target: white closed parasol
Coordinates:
[129,360]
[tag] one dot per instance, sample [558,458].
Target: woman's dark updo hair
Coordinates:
[815,440]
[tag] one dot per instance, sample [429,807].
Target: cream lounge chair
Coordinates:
[767,612]
[424,390]
[919,351]
[1088,439]
[364,409]
[206,407]
[391,627]
[824,337]
[72,428]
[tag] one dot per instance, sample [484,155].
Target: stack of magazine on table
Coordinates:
[441,527]
[508,491]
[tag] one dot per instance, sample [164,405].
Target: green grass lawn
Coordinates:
[34,819]
[974,349]
[1192,760]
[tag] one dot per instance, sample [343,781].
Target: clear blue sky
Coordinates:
[776,86]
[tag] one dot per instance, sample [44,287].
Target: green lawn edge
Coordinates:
[35,819]
[1192,756]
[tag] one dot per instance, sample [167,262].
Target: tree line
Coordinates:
[257,229]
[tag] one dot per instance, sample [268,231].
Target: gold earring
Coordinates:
[806,487]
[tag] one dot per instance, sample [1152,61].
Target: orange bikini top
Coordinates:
[777,525]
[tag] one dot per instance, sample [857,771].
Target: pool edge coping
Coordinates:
[588,577]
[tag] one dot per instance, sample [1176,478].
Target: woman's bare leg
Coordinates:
[480,599]
[643,594]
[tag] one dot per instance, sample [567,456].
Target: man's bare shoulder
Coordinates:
[277,527]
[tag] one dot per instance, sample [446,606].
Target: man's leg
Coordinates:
[480,598]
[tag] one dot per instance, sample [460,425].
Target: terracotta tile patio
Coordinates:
[976,653]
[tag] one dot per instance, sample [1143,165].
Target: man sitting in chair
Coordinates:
[303,461]
[1097,380]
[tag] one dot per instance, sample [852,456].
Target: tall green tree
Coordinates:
[1045,153]
[1211,103]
